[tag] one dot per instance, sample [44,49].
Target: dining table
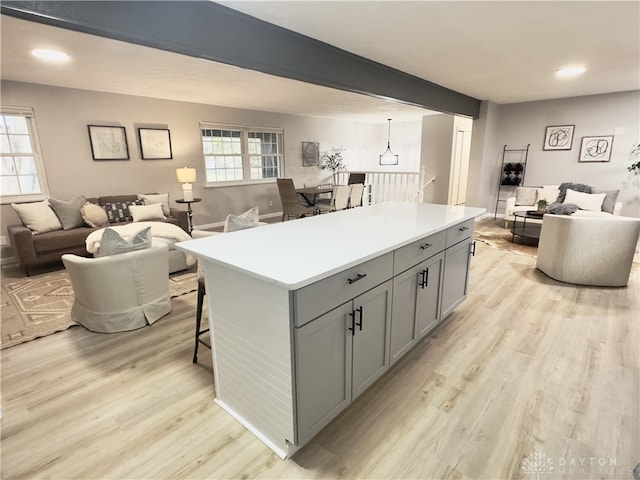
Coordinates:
[309,194]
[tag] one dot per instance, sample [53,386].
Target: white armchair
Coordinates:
[120,292]
[588,251]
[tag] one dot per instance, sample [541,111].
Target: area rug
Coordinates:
[40,305]
[493,233]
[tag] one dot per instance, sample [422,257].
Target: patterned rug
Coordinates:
[493,233]
[32,307]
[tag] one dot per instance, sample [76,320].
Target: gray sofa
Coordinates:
[39,249]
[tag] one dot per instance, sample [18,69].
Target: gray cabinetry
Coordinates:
[456,274]
[338,355]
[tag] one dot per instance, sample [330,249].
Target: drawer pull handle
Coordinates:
[425,246]
[462,229]
[352,328]
[358,277]
[473,249]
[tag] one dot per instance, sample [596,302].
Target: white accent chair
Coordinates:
[120,292]
[588,251]
[339,199]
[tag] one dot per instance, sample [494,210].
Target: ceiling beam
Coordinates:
[207,30]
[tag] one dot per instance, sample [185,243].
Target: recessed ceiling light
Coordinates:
[50,55]
[570,72]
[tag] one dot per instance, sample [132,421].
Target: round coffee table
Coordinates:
[524,230]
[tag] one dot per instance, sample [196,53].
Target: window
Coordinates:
[21,171]
[241,154]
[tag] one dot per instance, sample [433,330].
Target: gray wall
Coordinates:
[437,138]
[517,125]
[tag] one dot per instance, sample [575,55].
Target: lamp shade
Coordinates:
[186,175]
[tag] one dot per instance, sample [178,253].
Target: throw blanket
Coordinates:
[162,233]
[559,207]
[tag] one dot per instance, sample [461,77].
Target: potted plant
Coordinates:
[635,166]
[334,161]
[542,205]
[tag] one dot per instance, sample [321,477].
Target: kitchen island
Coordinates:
[305,315]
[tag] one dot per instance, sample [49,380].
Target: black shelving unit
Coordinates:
[512,170]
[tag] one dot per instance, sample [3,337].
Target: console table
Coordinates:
[302,311]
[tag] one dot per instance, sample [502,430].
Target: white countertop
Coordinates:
[296,253]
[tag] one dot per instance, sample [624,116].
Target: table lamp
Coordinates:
[186,176]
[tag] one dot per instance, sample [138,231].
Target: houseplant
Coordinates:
[542,205]
[635,166]
[334,161]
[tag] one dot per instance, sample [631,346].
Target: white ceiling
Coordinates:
[505,52]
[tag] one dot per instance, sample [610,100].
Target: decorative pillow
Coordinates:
[548,193]
[118,212]
[562,208]
[578,187]
[37,216]
[68,212]
[112,243]
[585,201]
[152,198]
[248,219]
[609,201]
[140,213]
[526,196]
[94,215]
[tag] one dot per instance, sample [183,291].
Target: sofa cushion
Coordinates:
[152,198]
[119,212]
[585,201]
[548,193]
[68,211]
[112,243]
[610,200]
[61,240]
[140,213]
[248,219]
[94,215]
[38,217]
[526,196]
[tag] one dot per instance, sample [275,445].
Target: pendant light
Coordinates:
[388,157]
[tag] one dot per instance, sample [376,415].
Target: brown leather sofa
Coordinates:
[35,250]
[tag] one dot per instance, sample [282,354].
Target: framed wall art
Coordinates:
[108,143]
[310,154]
[155,143]
[596,149]
[558,137]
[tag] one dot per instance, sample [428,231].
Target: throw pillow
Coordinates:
[140,213]
[68,211]
[152,198]
[118,212]
[562,208]
[112,243]
[548,193]
[578,187]
[610,200]
[526,196]
[248,219]
[37,216]
[585,201]
[94,215]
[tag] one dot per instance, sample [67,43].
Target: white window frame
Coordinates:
[246,169]
[29,114]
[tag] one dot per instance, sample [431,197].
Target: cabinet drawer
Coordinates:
[320,297]
[459,232]
[416,252]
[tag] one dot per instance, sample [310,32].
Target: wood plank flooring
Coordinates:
[526,368]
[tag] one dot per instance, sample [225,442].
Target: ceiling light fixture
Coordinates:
[388,157]
[570,72]
[50,55]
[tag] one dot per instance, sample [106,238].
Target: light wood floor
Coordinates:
[525,367]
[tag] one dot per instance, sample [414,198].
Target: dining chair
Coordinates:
[355,196]
[355,177]
[291,205]
[339,200]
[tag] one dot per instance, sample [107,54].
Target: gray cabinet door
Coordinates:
[403,312]
[428,296]
[456,272]
[323,370]
[370,339]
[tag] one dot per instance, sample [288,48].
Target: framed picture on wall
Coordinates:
[310,154]
[108,143]
[155,143]
[558,137]
[596,149]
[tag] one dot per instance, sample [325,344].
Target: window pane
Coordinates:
[20,144]
[9,185]
[6,167]
[29,184]
[25,165]
[19,172]
[16,124]
[4,144]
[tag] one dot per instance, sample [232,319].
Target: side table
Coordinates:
[189,212]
